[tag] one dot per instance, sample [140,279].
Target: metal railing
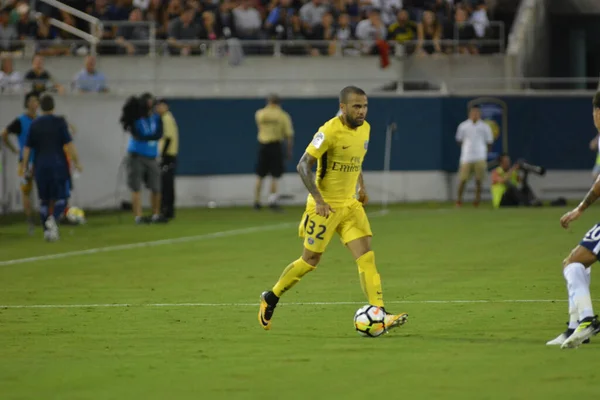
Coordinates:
[207,86]
[273,47]
[150,44]
[95,24]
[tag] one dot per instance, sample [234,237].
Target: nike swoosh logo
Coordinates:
[345,147]
[262,320]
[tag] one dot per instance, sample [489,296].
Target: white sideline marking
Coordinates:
[316,303]
[205,236]
[153,243]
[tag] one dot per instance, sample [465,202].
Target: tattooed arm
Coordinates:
[591,196]
[589,199]
[308,177]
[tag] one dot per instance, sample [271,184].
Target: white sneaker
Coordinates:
[586,329]
[51,233]
[559,340]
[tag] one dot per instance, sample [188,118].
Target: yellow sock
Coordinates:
[292,275]
[370,281]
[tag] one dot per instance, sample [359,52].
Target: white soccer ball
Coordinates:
[370,321]
[75,215]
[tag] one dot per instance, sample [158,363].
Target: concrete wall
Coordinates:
[257,76]
[217,158]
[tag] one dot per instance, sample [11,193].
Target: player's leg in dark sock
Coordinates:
[59,208]
[44,212]
[257,191]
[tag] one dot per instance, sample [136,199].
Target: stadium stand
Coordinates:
[315,27]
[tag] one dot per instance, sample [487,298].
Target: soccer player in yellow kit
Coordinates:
[338,149]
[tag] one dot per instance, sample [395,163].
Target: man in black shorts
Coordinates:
[274,127]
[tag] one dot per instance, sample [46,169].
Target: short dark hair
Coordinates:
[501,156]
[274,99]
[596,100]
[29,96]
[47,103]
[475,107]
[348,90]
[147,96]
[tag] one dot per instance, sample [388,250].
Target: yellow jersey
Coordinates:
[170,131]
[340,152]
[274,124]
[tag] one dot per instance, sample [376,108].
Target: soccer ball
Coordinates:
[75,216]
[370,321]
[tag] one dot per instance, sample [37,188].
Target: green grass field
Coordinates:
[184,322]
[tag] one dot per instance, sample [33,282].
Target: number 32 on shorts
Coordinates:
[311,226]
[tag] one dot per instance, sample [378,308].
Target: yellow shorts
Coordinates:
[467,170]
[27,186]
[349,221]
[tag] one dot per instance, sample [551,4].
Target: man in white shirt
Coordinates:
[11,81]
[475,138]
[370,30]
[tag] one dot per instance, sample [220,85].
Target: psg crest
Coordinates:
[494,112]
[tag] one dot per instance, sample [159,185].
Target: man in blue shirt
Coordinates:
[48,138]
[20,128]
[89,79]
[145,127]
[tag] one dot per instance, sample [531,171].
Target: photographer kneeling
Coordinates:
[509,184]
[146,129]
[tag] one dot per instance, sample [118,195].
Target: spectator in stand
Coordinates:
[429,32]
[26,26]
[40,78]
[479,19]
[158,14]
[174,9]
[276,18]
[389,9]
[370,30]
[247,21]
[324,31]
[442,10]
[89,79]
[462,31]
[198,10]
[47,39]
[210,27]
[120,10]
[353,9]
[311,14]
[344,34]
[225,22]
[106,13]
[128,35]
[184,33]
[9,38]
[11,81]
[403,31]
[417,8]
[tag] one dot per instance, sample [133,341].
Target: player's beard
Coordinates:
[352,122]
